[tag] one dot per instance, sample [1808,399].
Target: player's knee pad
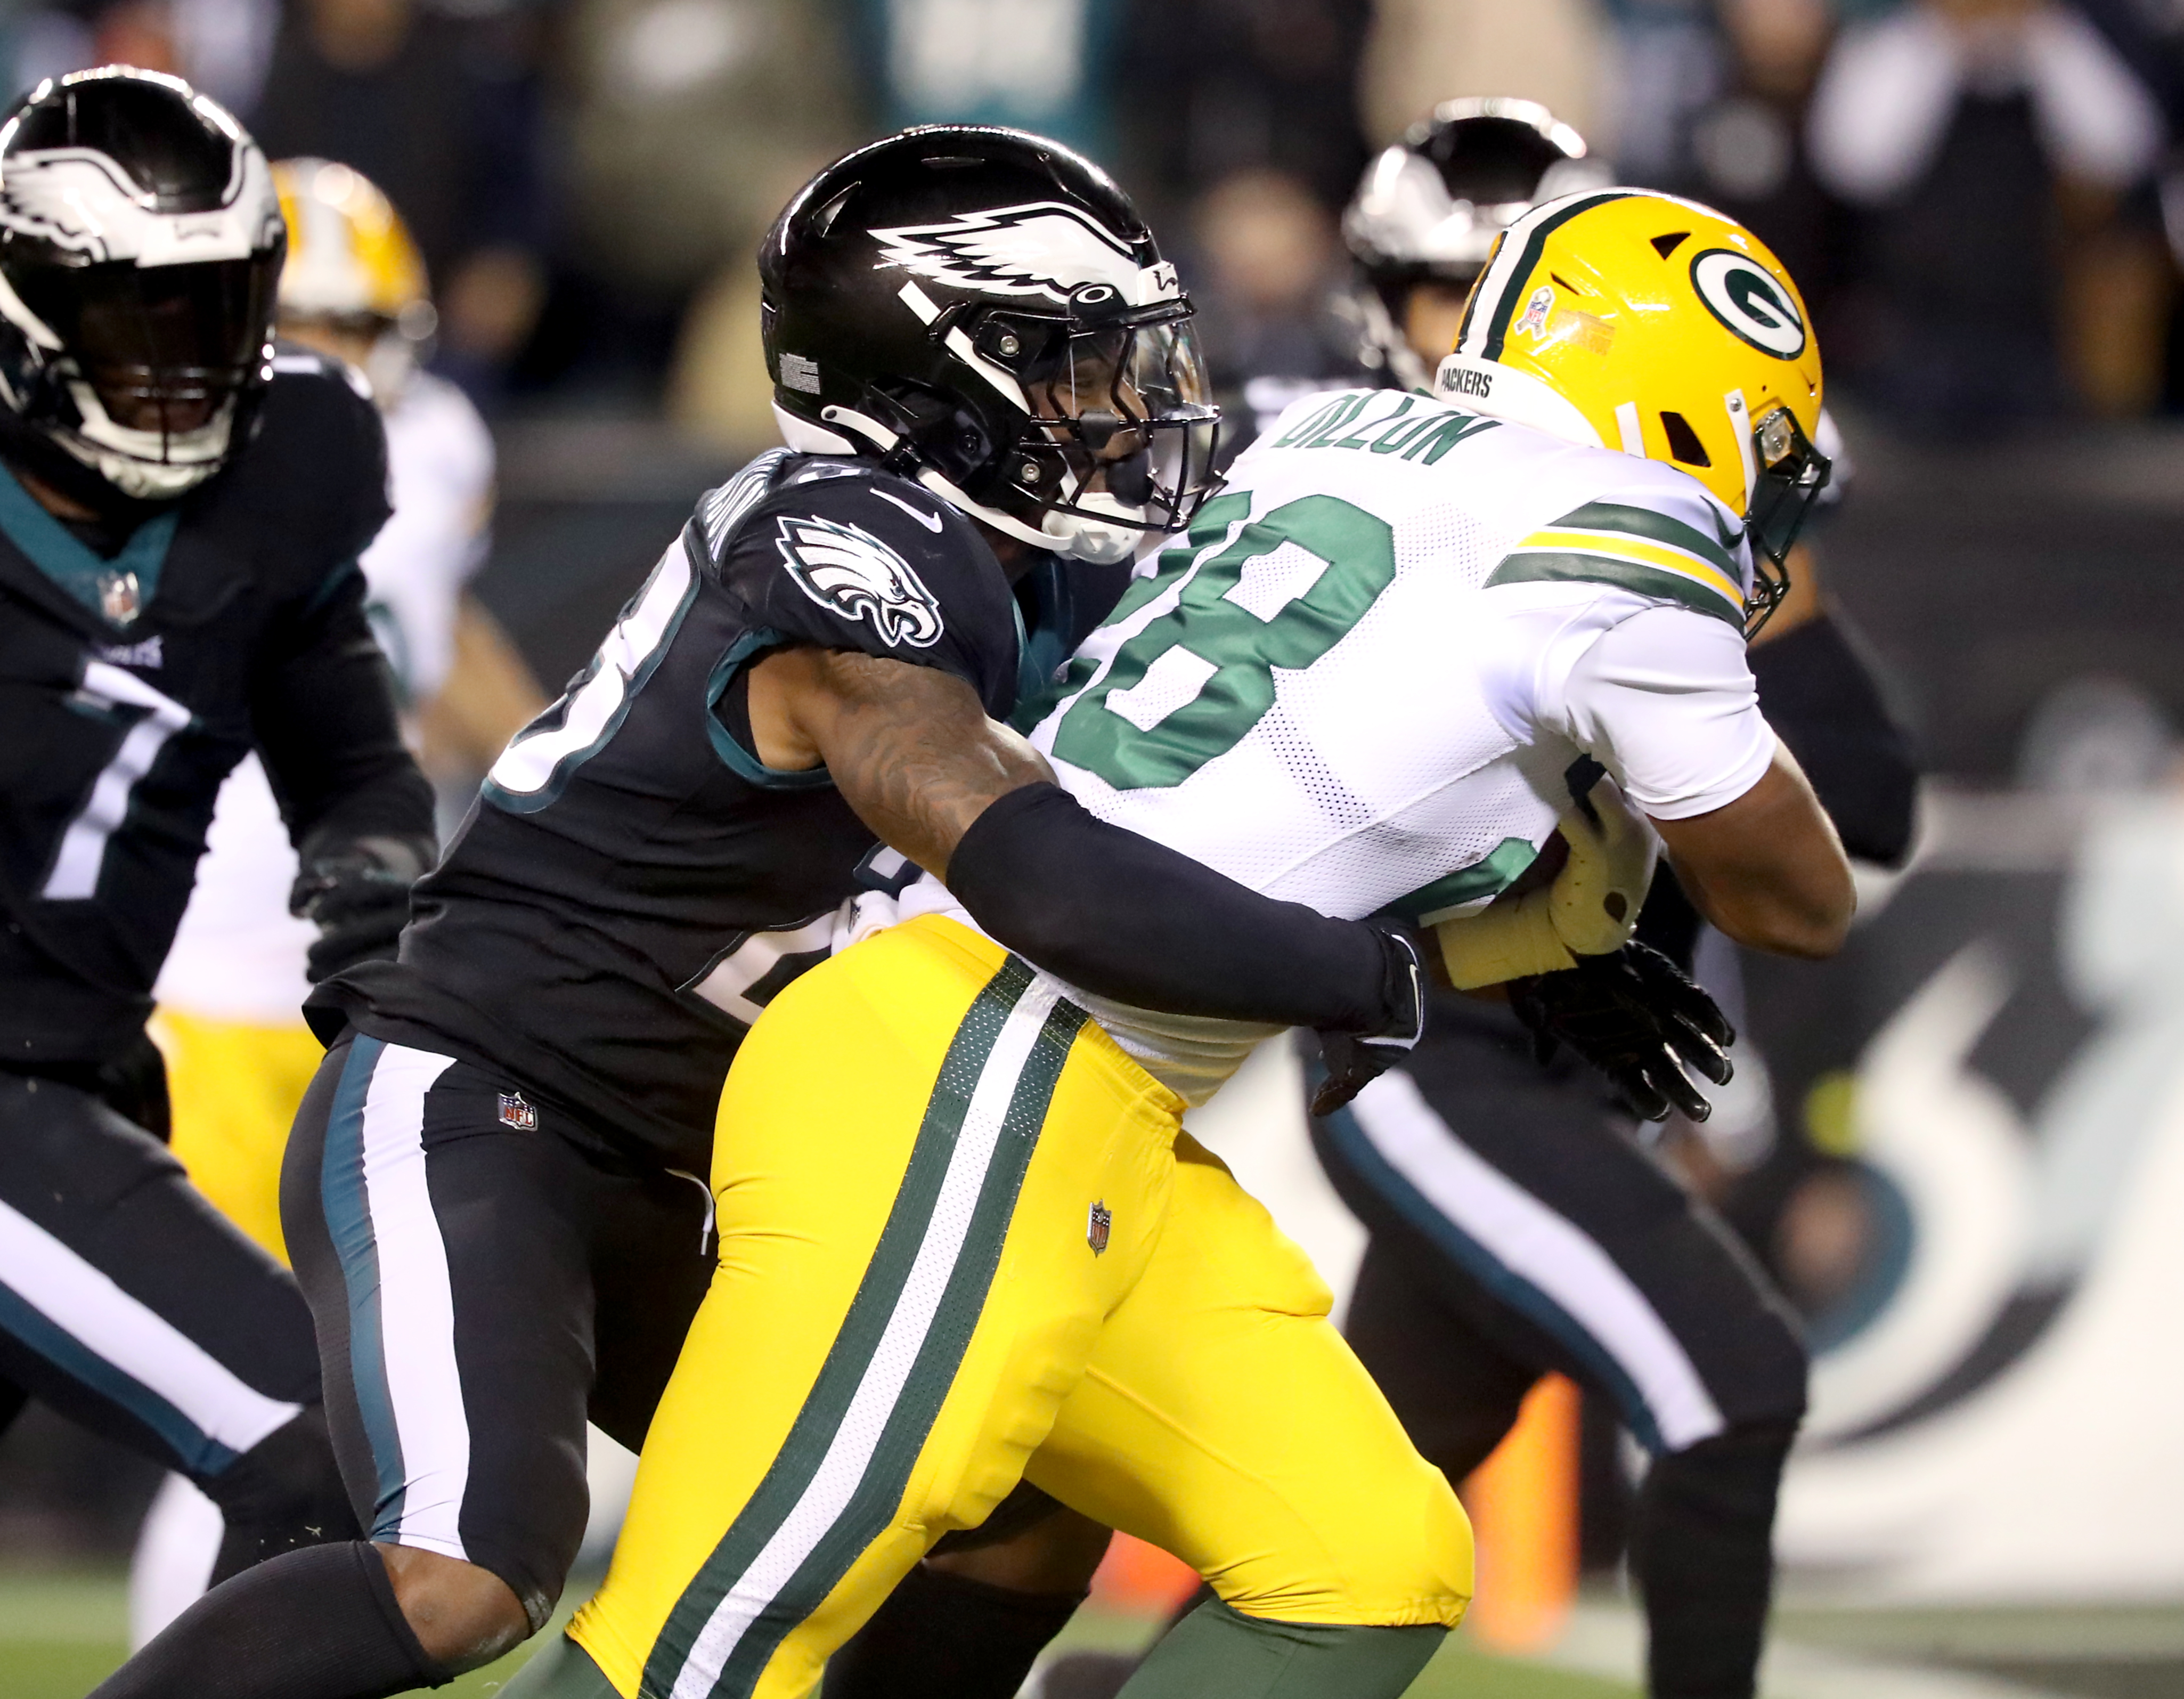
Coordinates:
[283,1493]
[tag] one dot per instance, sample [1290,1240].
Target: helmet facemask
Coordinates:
[1119,433]
[154,364]
[1787,476]
[1096,427]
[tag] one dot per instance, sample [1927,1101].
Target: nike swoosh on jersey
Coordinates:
[931,521]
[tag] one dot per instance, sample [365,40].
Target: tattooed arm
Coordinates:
[909,747]
[912,752]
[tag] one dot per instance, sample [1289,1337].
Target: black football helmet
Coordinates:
[984,312]
[1430,207]
[141,243]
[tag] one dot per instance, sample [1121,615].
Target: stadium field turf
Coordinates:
[60,1635]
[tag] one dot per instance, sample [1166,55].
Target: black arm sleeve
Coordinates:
[323,708]
[1130,919]
[1823,702]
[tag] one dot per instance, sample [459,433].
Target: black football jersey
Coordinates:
[129,688]
[633,886]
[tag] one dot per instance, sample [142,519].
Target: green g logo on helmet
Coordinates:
[1750,302]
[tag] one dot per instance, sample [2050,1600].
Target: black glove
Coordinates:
[356,890]
[1637,1018]
[1355,1060]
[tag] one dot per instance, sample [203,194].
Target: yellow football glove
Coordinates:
[1590,908]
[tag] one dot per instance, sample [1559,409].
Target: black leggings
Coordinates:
[483,1278]
[131,1306]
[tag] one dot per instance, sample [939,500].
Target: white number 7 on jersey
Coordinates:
[82,851]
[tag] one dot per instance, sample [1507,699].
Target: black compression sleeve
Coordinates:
[1823,703]
[323,711]
[1127,918]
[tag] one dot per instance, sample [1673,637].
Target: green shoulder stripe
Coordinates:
[1643,521]
[1655,582]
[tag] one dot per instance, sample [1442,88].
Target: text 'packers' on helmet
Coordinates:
[984,311]
[1640,321]
[353,265]
[1428,209]
[140,244]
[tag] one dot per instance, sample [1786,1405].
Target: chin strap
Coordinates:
[1078,536]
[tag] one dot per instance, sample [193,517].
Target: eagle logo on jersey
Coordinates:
[854,574]
[1044,248]
[1749,299]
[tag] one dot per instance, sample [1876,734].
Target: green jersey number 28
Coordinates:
[1194,682]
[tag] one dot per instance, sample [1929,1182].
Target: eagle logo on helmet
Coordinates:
[852,573]
[80,200]
[1045,248]
[1749,301]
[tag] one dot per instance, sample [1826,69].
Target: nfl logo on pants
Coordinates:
[516,1113]
[1096,1226]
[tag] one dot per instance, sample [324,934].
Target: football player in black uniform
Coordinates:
[180,512]
[989,380]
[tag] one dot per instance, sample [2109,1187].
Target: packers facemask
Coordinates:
[1640,321]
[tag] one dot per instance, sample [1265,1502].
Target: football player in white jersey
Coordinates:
[231,994]
[1386,668]
[1519,1227]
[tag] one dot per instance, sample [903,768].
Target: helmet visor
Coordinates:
[1125,412]
[165,348]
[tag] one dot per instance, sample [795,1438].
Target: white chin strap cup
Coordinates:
[146,464]
[1092,540]
[1078,536]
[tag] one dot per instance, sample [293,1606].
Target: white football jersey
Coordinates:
[1368,678]
[239,954]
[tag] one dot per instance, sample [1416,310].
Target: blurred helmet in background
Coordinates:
[1643,322]
[984,312]
[354,268]
[1428,209]
[140,246]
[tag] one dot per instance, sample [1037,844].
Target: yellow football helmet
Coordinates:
[1640,321]
[352,262]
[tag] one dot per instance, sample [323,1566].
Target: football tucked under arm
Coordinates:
[1590,909]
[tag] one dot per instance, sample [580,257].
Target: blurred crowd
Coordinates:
[1978,196]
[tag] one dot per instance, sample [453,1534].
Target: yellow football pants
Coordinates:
[963,1240]
[234,1088]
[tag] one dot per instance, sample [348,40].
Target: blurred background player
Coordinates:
[180,511]
[230,996]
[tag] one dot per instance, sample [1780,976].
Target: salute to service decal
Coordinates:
[860,577]
[1744,296]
